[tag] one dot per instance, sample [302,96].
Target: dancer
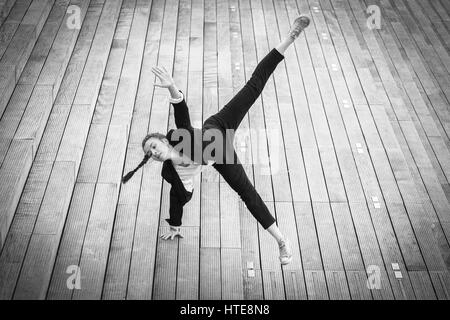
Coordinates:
[180,166]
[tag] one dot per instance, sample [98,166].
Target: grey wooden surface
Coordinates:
[351,152]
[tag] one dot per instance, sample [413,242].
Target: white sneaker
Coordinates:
[285,252]
[298,26]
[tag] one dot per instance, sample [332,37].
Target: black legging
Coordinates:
[229,117]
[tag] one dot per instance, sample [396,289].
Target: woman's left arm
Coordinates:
[181,111]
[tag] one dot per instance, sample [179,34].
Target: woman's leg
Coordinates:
[231,115]
[235,176]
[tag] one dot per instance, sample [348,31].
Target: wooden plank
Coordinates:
[241,41]
[5,8]
[188,265]
[92,156]
[76,65]
[165,269]
[386,178]
[17,11]
[316,180]
[337,285]
[125,20]
[7,83]
[89,85]
[129,192]
[69,250]
[116,278]
[210,274]
[36,115]
[367,239]
[35,63]
[329,245]
[116,140]
[316,285]
[419,60]
[229,218]
[78,123]
[426,28]
[412,90]
[110,82]
[307,236]
[441,284]
[210,216]
[126,92]
[422,285]
[288,101]
[252,281]
[293,272]
[145,263]
[144,267]
[440,26]
[364,247]
[271,270]
[41,248]
[9,266]
[38,262]
[260,157]
[75,135]
[231,274]
[113,155]
[422,227]
[24,39]
[58,58]
[108,15]
[13,175]
[34,189]
[287,224]
[357,282]
[348,240]
[274,124]
[295,284]
[96,243]
[350,177]
[7,29]
[405,237]
[12,116]
[73,235]
[223,48]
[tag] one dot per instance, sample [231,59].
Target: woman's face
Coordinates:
[159,149]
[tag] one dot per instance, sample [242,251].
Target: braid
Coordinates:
[132,172]
[146,157]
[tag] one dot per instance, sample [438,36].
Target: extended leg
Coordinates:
[231,115]
[236,177]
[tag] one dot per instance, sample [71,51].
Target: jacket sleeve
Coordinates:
[176,207]
[181,112]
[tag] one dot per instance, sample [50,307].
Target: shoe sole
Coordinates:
[304,22]
[286,262]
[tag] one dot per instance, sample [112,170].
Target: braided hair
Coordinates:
[146,157]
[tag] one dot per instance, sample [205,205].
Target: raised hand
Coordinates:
[165,79]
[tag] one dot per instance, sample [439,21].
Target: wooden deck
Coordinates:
[359,181]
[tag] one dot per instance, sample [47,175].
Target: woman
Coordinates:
[181,164]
